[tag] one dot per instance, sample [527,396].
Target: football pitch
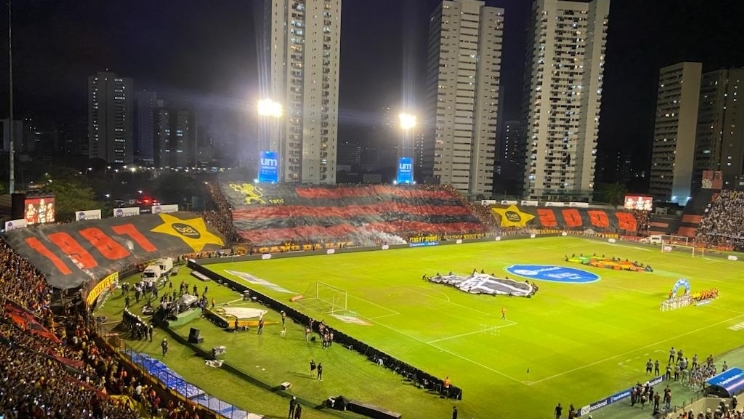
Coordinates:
[570,343]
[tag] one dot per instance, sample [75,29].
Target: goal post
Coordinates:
[326,298]
[334,297]
[695,251]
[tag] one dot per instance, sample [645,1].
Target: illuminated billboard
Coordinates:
[405,171]
[639,203]
[39,210]
[268,170]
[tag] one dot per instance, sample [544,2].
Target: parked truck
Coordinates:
[165,264]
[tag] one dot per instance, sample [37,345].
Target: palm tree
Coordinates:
[612,193]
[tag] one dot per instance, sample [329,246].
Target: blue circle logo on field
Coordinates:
[553,273]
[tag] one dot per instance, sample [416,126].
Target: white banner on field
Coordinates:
[126,212]
[163,209]
[88,215]
[529,203]
[14,224]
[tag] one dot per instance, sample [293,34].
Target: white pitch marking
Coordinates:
[449,352]
[472,333]
[647,346]
[383,316]
[448,301]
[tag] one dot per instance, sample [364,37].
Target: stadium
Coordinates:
[375,301]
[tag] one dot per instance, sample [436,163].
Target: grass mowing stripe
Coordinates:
[700,329]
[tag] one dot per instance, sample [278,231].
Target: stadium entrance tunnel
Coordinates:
[726,384]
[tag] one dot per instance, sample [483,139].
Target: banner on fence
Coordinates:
[88,215]
[126,212]
[565,218]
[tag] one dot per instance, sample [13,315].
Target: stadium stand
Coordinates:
[269,215]
[694,212]
[219,217]
[58,366]
[721,226]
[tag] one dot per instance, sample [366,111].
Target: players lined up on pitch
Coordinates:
[693,374]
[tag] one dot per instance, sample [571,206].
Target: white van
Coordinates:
[165,264]
[654,239]
[152,273]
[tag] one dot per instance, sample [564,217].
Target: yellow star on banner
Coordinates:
[512,216]
[193,232]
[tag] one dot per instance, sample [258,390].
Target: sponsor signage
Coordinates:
[100,287]
[77,254]
[268,169]
[578,204]
[507,202]
[553,273]
[638,202]
[423,244]
[555,204]
[14,224]
[731,380]
[88,215]
[528,203]
[301,247]
[405,171]
[615,397]
[487,202]
[565,218]
[126,212]
[164,209]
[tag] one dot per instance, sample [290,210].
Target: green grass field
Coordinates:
[580,342]
[575,339]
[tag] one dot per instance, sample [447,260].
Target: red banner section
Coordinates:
[71,255]
[565,218]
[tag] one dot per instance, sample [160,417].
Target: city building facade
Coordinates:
[563,96]
[110,118]
[719,142]
[463,66]
[304,49]
[675,128]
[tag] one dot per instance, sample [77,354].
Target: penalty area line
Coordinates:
[456,355]
[635,350]
[473,333]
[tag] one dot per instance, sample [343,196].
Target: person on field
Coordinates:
[292,407]
[312,367]
[164,346]
[320,371]
[558,411]
[454,412]
[503,313]
[649,366]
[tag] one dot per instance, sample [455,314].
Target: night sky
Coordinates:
[204,53]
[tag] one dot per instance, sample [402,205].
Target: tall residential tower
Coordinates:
[110,100]
[464,66]
[674,133]
[563,96]
[719,143]
[304,48]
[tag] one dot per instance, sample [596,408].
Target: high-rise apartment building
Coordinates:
[304,74]
[509,159]
[175,137]
[719,143]
[110,100]
[464,65]
[145,104]
[563,96]
[673,152]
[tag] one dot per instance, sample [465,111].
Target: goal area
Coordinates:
[686,247]
[325,298]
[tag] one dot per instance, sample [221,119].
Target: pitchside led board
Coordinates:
[268,170]
[405,171]
[640,203]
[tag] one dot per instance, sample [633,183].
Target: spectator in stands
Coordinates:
[722,223]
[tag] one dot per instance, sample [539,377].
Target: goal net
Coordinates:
[694,251]
[325,298]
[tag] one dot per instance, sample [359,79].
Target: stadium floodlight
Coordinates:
[407,121]
[270,108]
